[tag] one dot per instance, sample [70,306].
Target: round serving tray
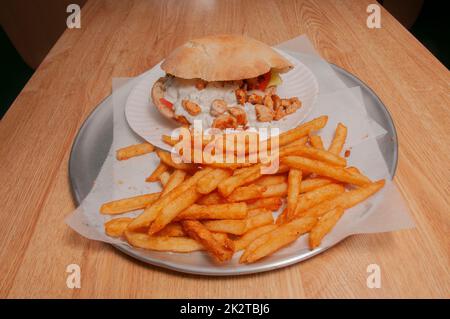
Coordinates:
[94,140]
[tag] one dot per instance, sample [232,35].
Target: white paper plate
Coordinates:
[147,122]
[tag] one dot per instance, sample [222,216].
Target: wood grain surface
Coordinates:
[125,38]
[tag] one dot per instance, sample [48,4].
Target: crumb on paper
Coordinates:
[347,153]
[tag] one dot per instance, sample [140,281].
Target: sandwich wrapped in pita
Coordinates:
[225,81]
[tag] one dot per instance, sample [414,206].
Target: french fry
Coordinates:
[316,154]
[258,220]
[315,197]
[302,130]
[246,192]
[239,170]
[239,227]
[227,186]
[345,200]
[300,142]
[134,150]
[270,203]
[316,141]
[243,241]
[353,170]
[211,199]
[161,168]
[268,180]
[166,158]
[324,226]
[229,226]
[152,211]
[163,243]
[294,182]
[221,251]
[272,241]
[222,238]
[339,139]
[282,218]
[257,211]
[172,230]
[253,191]
[176,178]
[282,168]
[172,209]
[128,204]
[323,169]
[232,165]
[116,227]
[164,178]
[217,211]
[209,182]
[278,190]
[168,140]
[310,184]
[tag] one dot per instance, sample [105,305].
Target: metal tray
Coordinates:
[94,139]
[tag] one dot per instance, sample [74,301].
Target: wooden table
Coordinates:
[125,38]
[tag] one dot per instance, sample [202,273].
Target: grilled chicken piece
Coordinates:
[271,90]
[255,99]
[280,113]
[191,107]
[218,107]
[224,121]
[239,114]
[294,105]
[268,101]
[294,101]
[241,96]
[264,113]
[285,102]
[276,102]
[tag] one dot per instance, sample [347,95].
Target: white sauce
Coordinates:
[178,90]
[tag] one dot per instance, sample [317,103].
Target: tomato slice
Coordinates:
[166,103]
[265,81]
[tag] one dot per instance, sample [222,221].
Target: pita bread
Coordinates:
[224,58]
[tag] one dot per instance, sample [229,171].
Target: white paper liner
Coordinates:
[383,212]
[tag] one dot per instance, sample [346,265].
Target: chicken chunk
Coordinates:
[294,101]
[280,113]
[191,107]
[255,99]
[218,107]
[294,105]
[285,102]
[276,102]
[268,101]
[239,114]
[224,121]
[241,96]
[271,90]
[264,113]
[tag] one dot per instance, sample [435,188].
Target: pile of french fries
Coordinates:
[226,208]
